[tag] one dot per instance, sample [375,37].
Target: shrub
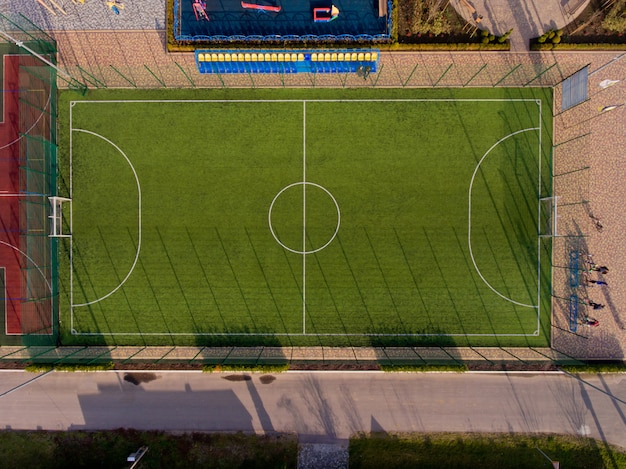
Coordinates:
[423,368]
[556,39]
[615,19]
[41,368]
[261,368]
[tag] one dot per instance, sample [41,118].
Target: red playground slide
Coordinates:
[254,6]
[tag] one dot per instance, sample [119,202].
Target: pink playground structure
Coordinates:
[254,6]
[199,9]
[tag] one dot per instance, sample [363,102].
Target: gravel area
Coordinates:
[322,456]
[92,15]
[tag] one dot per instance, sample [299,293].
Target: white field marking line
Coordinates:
[138,223]
[304,217]
[72,103]
[31,261]
[44,279]
[285,334]
[3,104]
[276,197]
[469,220]
[538,228]
[71,224]
[4,282]
[400,100]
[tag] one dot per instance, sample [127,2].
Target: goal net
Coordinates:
[548,226]
[59,225]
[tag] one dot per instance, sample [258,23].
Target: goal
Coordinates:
[548,226]
[59,226]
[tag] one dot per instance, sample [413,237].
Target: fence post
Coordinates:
[509,73]
[529,82]
[95,81]
[155,77]
[185,73]
[444,74]
[123,76]
[378,75]
[475,74]
[410,75]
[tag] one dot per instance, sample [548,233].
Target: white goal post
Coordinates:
[56,218]
[548,217]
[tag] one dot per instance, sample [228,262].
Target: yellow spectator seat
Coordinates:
[353,57]
[374,56]
[327,57]
[274,57]
[300,57]
[313,57]
[214,57]
[340,56]
[268,57]
[281,57]
[220,57]
[253,57]
[361,56]
[200,57]
[246,57]
[333,57]
[368,57]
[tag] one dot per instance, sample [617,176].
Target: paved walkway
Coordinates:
[527,18]
[319,407]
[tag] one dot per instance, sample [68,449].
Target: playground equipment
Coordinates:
[255,6]
[115,6]
[54,4]
[199,9]
[321,15]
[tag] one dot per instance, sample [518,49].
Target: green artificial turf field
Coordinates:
[306,217]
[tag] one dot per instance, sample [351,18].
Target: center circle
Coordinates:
[302,208]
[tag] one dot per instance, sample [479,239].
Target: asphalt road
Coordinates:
[320,407]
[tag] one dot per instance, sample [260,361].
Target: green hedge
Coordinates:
[41,368]
[109,449]
[618,367]
[576,46]
[443,46]
[466,450]
[259,368]
[423,368]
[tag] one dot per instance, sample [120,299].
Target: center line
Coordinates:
[304,217]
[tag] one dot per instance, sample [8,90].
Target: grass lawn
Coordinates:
[305,217]
[78,449]
[454,450]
